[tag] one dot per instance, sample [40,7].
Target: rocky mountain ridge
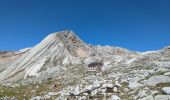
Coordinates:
[68,68]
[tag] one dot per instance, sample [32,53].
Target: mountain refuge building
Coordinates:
[93,64]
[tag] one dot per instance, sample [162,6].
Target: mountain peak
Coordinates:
[74,44]
[63,59]
[58,48]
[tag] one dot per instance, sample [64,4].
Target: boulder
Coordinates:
[154,92]
[162,97]
[115,89]
[115,97]
[107,85]
[134,85]
[166,90]
[154,80]
[150,97]
[142,94]
[37,98]
[167,74]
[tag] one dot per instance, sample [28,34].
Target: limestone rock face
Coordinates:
[62,65]
[8,56]
[60,48]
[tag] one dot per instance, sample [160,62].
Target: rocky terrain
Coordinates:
[63,67]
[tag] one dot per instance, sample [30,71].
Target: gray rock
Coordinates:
[154,92]
[142,93]
[150,97]
[134,85]
[37,98]
[167,74]
[166,90]
[154,80]
[61,98]
[58,48]
[83,98]
[60,61]
[115,97]
[90,60]
[5,98]
[162,97]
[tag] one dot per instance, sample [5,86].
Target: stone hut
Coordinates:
[93,64]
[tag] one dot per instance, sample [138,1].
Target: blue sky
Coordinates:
[138,25]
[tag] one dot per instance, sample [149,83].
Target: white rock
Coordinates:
[134,85]
[165,64]
[134,97]
[167,74]
[151,71]
[94,92]
[61,98]
[115,97]
[103,90]
[131,60]
[126,89]
[166,90]
[33,71]
[85,94]
[117,83]
[108,85]
[52,93]
[142,94]
[150,97]
[37,98]
[25,49]
[154,80]
[90,60]
[115,89]
[97,83]
[162,97]
[160,69]
[154,92]
[148,52]
[83,98]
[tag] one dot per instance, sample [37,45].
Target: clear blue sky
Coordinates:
[134,24]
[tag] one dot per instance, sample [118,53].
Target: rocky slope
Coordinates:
[62,66]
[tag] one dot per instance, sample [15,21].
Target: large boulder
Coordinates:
[167,74]
[162,97]
[115,97]
[107,85]
[134,85]
[150,97]
[166,90]
[154,80]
